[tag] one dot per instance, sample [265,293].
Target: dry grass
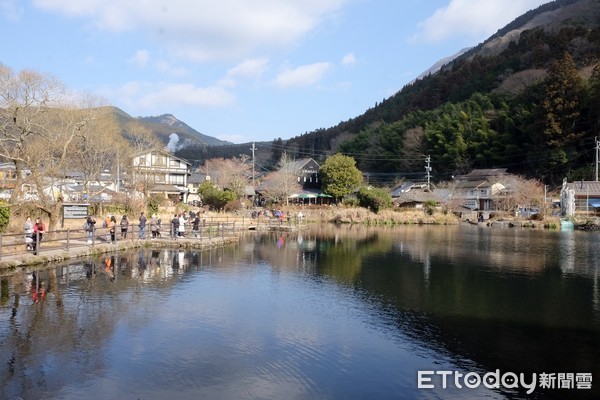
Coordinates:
[390,217]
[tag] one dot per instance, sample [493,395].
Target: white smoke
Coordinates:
[173,140]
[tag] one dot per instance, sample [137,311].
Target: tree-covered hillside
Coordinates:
[525,99]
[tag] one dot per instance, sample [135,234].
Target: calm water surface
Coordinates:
[330,313]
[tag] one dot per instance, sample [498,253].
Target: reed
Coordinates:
[385,217]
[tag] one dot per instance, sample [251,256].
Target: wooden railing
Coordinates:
[17,244]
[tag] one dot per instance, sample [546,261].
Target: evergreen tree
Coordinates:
[561,111]
[594,100]
[276,150]
[339,175]
[561,104]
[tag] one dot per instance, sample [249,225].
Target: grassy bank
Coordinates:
[385,217]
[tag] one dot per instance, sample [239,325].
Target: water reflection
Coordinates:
[330,312]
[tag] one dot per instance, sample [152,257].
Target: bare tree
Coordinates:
[98,147]
[141,141]
[41,126]
[519,192]
[413,148]
[233,174]
[26,100]
[282,183]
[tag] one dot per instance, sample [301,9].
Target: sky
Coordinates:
[244,70]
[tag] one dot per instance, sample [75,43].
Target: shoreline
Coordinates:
[345,217]
[58,255]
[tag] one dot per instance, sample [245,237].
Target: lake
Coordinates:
[331,312]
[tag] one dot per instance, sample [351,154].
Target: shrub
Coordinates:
[154,203]
[350,201]
[215,197]
[233,205]
[374,199]
[429,207]
[4,215]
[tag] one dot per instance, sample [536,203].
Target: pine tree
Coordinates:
[561,103]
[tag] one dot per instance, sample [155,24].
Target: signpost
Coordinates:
[74,211]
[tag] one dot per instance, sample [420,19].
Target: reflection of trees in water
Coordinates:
[38,323]
[50,335]
[486,298]
[435,284]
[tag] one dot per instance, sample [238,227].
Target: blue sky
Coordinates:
[244,70]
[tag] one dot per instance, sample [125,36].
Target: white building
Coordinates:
[160,172]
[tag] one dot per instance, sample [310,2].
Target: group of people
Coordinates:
[179,222]
[34,231]
[110,224]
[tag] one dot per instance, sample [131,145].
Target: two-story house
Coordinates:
[479,188]
[306,172]
[161,173]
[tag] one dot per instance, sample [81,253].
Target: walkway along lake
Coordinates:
[330,312]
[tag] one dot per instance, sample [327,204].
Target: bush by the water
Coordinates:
[374,199]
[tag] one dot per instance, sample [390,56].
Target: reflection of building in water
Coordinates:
[567,251]
[596,296]
[427,270]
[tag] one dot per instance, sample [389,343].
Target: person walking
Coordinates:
[106,226]
[196,225]
[182,222]
[142,226]
[175,227]
[154,226]
[124,227]
[112,229]
[90,227]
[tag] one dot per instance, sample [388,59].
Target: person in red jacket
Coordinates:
[38,231]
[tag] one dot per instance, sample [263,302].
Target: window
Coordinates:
[177,180]
[160,161]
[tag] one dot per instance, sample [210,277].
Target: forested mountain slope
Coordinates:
[528,99]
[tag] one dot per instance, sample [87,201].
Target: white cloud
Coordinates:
[305,75]
[186,95]
[474,19]
[140,58]
[146,96]
[247,70]
[349,59]
[204,30]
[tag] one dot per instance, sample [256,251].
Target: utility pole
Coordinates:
[118,183]
[597,149]
[428,169]
[253,148]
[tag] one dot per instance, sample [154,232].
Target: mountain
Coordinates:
[165,125]
[172,132]
[526,99]
[439,64]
